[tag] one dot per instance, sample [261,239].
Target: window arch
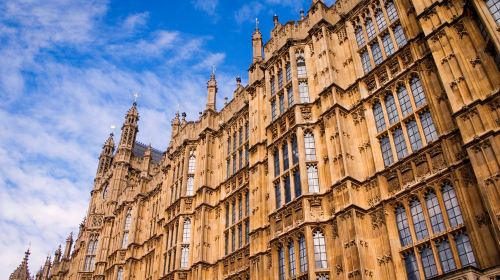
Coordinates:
[360,39]
[390,107]
[310,146]
[378,114]
[301,65]
[89,264]
[434,210]
[428,262]
[411,266]
[191,163]
[451,204]
[319,249]
[403,227]
[445,255]
[404,100]
[370,28]
[291,259]
[302,254]
[464,249]
[391,11]
[186,231]
[418,219]
[417,91]
[126,228]
[380,19]
[184,256]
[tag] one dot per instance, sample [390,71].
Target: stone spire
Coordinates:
[106,156]
[211,91]
[129,133]
[257,43]
[67,248]
[22,271]
[43,273]
[175,124]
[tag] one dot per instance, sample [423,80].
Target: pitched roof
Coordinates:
[140,149]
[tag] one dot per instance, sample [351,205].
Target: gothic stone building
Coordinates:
[366,145]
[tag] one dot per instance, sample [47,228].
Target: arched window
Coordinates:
[302,254]
[291,260]
[295,150]
[399,35]
[445,255]
[391,11]
[388,45]
[119,275]
[277,194]
[360,39]
[428,262]
[288,192]
[418,219]
[365,61]
[227,215]
[379,17]
[184,256]
[89,264]
[417,91]
[385,147]
[414,135]
[247,204]
[451,204]
[411,266]
[310,146]
[186,233]
[464,249]
[312,178]
[494,7]
[190,186]
[403,227]
[284,152]
[428,126]
[288,70]
[390,107]
[404,100]
[370,28]
[378,114]
[399,143]
[274,113]
[276,157]
[191,163]
[281,263]
[434,210]
[280,79]
[303,92]
[376,53]
[319,250]
[296,183]
[126,228]
[240,208]
[301,66]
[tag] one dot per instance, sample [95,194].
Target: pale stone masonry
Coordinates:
[365,146]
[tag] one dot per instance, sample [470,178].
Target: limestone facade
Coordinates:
[366,145]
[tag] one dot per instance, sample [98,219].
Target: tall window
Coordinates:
[281,99]
[229,145]
[240,136]
[240,235]
[289,92]
[379,17]
[303,92]
[295,150]
[240,208]
[428,126]
[288,70]
[391,11]
[247,231]
[399,35]
[247,204]
[186,232]
[312,178]
[428,262]
[273,110]
[385,147]
[240,159]
[417,91]
[365,61]
[273,86]
[291,260]
[119,275]
[105,191]
[377,53]
[464,249]
[390,107]
[404,100]
[233,212]
[379,116]
[247,130]
[191,163]
[184,256]
[277,194]
[284,152]
[400,143]
[226,243]
[91,250]
[451,204]
[360,39]
[233,240]
[126,228]
[276,158]
[445,255]
[494,7]
[435,214]
[301,66]
[403,227]
[310,146]
[281,263]
[190,186]
[411,267]
[418,219]
[288,193]
[370,29]
[234,164]
[296,183]
[414,135]
[227,215]
[302,254]
[319,250]
[388,46]
[280,78]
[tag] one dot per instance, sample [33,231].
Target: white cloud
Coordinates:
[65,77]
[208,6]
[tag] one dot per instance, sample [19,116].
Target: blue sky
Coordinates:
[67,74]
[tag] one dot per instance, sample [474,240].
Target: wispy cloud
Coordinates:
[65,77]
[208,6]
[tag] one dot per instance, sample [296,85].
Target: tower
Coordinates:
[257,43]
[106,156]
[129,133]
[211,92]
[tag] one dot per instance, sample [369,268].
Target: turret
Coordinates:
[67,248]
[211,92]
[22,271]
[146,161]
[257,43]
[57,255]
[129,133]
[106,156]
[175,124]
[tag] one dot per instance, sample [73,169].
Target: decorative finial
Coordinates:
[136,95]
[302,14]
[238,81]
[256,24]
[275,20]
